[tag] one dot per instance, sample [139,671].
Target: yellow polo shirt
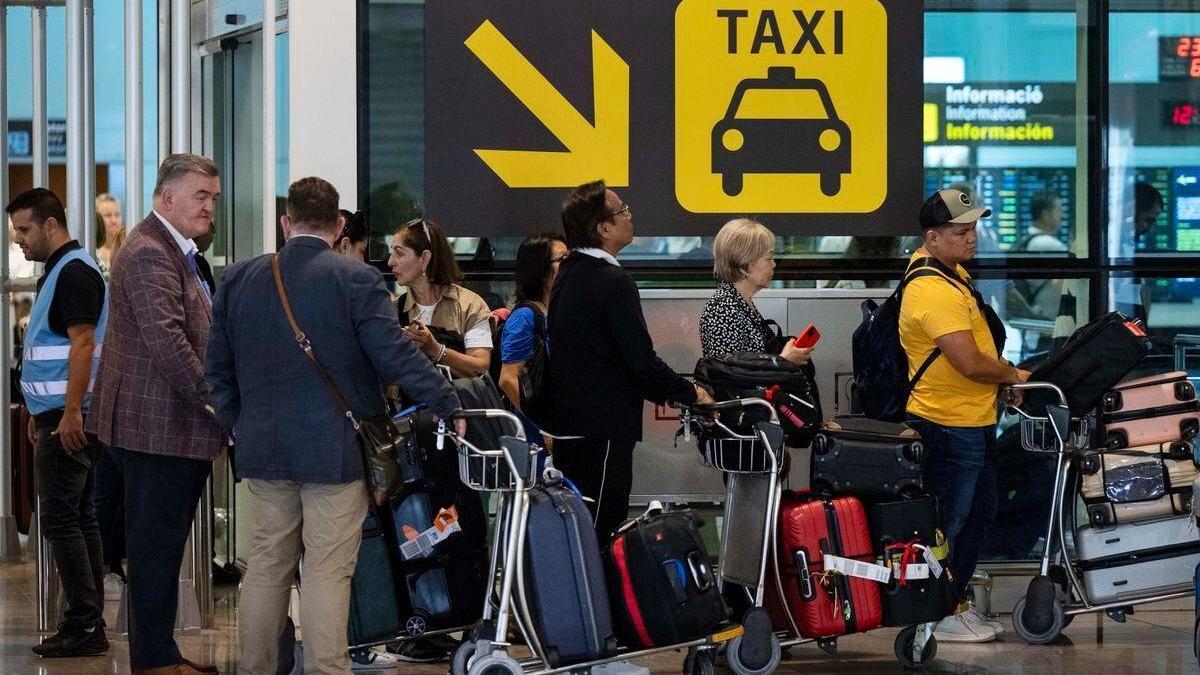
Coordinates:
[934,306]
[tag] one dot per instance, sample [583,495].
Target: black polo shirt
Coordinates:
[79,295]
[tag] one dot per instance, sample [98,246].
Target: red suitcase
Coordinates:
[1150,410]
[825,605]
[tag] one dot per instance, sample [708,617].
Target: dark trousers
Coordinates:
[161,494]
[64,483]
[960,470]
[603,472]
[110,512]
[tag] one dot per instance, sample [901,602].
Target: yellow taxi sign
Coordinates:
[781,107]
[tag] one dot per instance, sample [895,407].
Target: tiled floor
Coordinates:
[1150,642]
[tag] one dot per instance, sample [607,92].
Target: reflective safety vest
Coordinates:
[44,366]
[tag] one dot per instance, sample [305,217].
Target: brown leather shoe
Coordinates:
[202,667]
[185,668]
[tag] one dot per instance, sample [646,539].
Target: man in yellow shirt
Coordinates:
[947,328]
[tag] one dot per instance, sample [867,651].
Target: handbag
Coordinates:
[381,438]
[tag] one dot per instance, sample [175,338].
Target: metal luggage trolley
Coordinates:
[754,464]
[486,650]
[1057,432]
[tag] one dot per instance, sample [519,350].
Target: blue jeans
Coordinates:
[960,470]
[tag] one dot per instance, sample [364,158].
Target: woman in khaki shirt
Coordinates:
[423,261]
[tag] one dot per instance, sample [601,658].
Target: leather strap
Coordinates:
[306,345]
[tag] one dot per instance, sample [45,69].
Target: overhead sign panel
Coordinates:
[806,113]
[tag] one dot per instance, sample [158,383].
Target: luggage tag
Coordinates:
[857,568]
[421,544]
[932,566]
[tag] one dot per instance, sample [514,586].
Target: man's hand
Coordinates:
[460,427]
[1023,375]
[703,397]
[70,431]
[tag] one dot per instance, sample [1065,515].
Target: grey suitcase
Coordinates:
[1140,559]
[564,577]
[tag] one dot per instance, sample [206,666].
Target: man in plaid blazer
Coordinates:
[150,401]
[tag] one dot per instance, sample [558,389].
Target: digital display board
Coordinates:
[1182,114]
[1009,193]
[1179,57]
[1185,205]
[1161,236]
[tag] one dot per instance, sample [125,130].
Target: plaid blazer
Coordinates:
[150,394]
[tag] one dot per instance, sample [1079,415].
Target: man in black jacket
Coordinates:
[602,361]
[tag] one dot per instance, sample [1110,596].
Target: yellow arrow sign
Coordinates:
[593,151]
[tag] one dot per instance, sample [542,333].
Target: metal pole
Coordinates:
[268,126]
[37,43]
[89,130]
[181,76]
[164,79]
[76,185]
[133,111]
[10,546]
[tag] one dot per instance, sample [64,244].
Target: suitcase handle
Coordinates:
[678,578]
[804,577]
[701,573]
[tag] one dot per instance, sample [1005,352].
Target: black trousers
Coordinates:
[603,472]
[65,482]
[161,494]
[110,513]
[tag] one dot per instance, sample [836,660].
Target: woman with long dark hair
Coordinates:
[537,264]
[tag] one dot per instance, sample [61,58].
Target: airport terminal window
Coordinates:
[1154,132]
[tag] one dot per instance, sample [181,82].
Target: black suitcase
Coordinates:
[564,577]
[1090,363]
[868,459]
[374,601]
[790,388]
[662,587]
[895,525]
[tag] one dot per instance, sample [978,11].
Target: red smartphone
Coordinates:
[809,337]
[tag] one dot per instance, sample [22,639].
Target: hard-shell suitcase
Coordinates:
[374,601]
[1090,363]
[1140,559]
[564,577]
[872,460]
[663,590]
[24,494]
[1138,483]
[825,605]
[898,527]
[1156,409]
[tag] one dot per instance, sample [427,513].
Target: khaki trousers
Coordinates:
[324,524]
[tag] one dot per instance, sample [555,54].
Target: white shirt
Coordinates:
[599,253]
[477,336]
[1041,241]
[186,245]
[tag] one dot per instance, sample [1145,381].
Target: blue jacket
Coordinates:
[263,387]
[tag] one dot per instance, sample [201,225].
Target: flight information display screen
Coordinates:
[1010,193]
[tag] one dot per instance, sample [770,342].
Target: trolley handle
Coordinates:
[444,431]
[733,404]
[1031,386]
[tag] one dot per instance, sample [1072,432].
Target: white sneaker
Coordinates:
[956,629]
[374,660]
[620,668]
[973,617]
[113,585]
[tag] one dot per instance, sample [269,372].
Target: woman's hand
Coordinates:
[797,355]
[423,337]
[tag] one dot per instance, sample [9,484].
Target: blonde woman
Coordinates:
[744,262]
[111,235]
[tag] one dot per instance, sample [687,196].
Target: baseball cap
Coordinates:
[950,206]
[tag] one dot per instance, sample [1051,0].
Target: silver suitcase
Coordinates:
[1140,559]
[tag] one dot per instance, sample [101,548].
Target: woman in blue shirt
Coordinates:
[537,264]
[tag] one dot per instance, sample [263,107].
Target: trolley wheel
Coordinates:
[1038,638]
[699,661]
[460,661]
[495,664]
[903,647]
[747,659]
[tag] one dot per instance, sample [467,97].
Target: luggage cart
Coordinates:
[1057,593]
[510,471]
[760,457]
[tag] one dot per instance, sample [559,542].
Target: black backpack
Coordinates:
[881,380]
[791,388]
[532,377]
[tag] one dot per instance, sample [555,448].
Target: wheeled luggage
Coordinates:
[374,601]
[564,577]
[1157,409]
[900,528]
[1090,363]
[663,590]
[791,389]
[826,603]
[1138,483]
[872,460]
[1138,559]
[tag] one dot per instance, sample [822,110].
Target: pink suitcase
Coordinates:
[1150,410]
[1172,463]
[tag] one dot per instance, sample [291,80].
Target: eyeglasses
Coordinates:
[624,209]
[398,250]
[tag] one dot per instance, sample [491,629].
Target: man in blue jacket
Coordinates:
[295,445]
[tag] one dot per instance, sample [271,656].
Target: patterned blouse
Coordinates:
[731,324]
